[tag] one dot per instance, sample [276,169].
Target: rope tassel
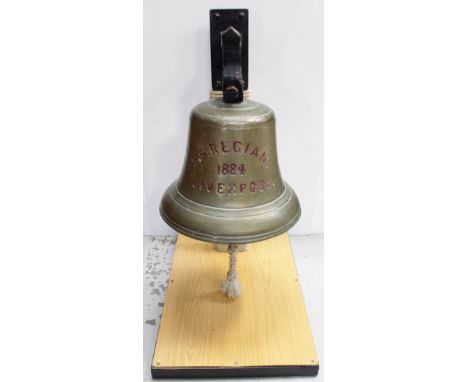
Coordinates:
[230,287]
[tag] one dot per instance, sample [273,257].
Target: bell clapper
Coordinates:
[230,287]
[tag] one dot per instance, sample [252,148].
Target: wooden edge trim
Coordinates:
[235,372]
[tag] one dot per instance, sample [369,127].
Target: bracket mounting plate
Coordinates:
[220,20]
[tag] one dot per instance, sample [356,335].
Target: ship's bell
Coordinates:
[231,190]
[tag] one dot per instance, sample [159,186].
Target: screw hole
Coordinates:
[241,15]
[217,16]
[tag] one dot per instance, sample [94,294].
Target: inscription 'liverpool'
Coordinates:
[225,147]
[233,188]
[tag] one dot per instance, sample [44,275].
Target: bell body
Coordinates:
[230,189]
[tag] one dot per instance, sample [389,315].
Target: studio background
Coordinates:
[285,73]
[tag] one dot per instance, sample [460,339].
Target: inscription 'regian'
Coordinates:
[225,147]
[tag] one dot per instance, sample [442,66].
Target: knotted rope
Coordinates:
[230,287]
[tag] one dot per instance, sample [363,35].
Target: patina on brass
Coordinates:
[231,189]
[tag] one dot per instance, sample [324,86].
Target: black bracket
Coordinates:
[229,52]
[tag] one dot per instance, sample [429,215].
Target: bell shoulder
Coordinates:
[246,112]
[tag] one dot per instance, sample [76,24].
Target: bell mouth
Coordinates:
[230,225]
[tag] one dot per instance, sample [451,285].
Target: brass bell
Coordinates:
[230,190]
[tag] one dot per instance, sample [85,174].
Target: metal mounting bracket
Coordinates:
[229,52]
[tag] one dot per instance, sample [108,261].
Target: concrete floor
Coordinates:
[157,256]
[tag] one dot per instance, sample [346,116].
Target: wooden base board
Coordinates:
[264,332]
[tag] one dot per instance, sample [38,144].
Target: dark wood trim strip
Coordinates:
[234,372]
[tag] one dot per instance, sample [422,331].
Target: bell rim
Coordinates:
[269,212]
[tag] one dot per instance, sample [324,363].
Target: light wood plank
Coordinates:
[267,325]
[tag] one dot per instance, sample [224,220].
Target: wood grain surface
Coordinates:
[266,326]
